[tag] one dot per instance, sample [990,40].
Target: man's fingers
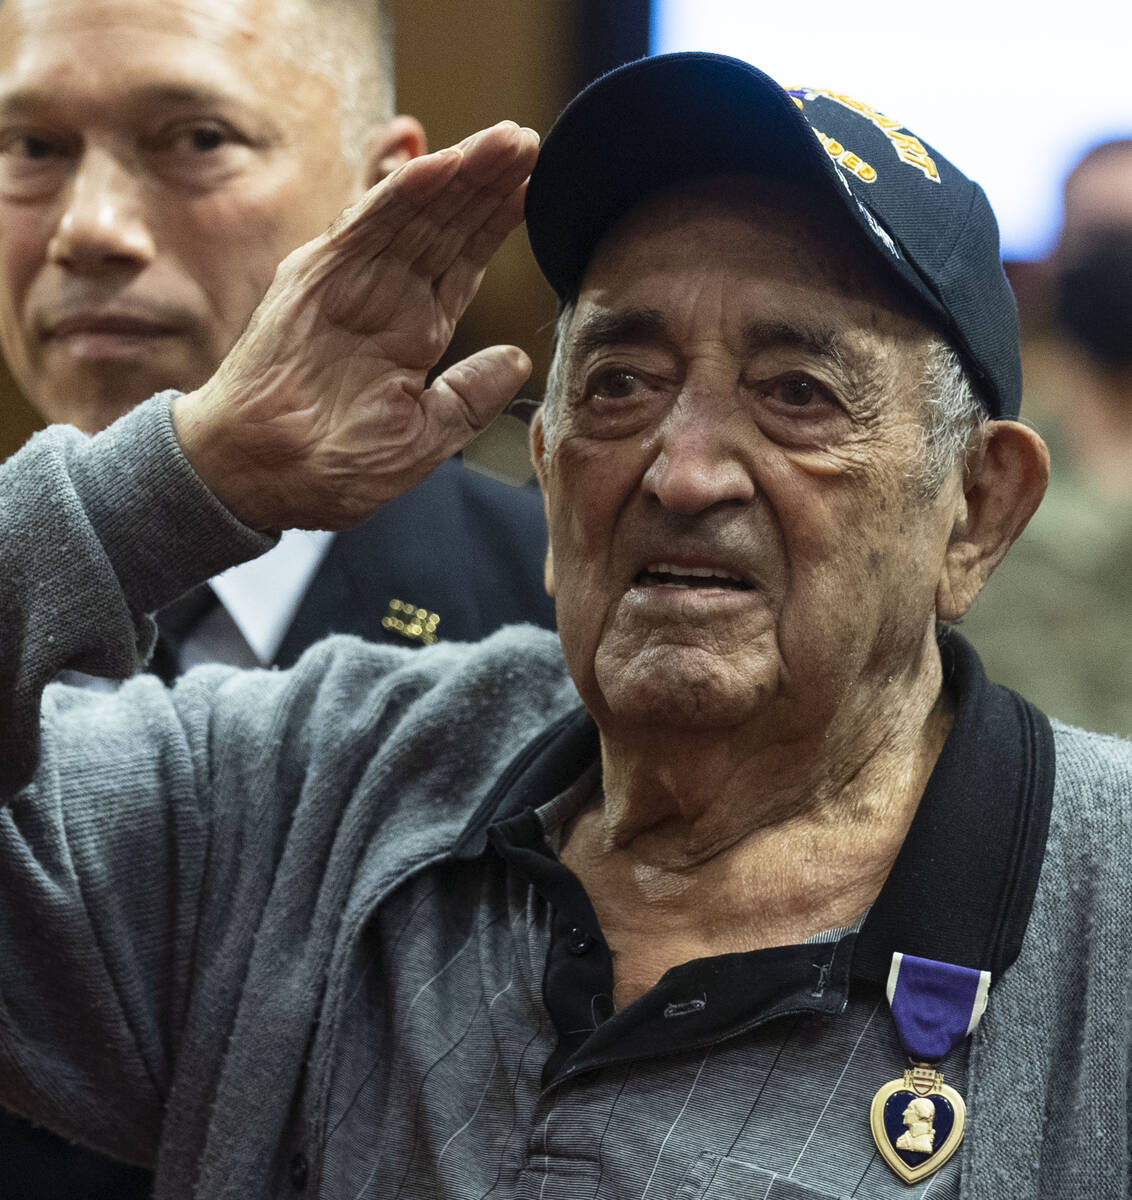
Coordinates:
[430,197]
[471,394]
[458,283]
[486,141]
[488,182]
[371,268]
[391,205]
[497,213]
[502,156]
[493,169]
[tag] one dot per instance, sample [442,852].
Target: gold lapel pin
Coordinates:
[411,621]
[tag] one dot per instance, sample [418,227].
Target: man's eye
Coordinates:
[195,139]
[616,384]
[30,147]
[207,139]
[797,391]
[202,153]
[33,164]
[203,138]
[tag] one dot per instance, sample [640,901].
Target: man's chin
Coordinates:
[94,396]
[682,687]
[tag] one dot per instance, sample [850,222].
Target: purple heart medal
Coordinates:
[917,1120]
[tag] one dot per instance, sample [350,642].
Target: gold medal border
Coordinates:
[940,1156]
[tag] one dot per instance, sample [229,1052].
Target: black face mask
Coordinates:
[1094,297]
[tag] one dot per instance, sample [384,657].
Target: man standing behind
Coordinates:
[157,162]
[158,159]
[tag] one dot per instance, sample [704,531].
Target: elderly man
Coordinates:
[425,925]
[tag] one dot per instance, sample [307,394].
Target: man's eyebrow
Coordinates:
[816,340]
[34,100]
[183,95]
[23,101]
[849,362]
[599,329]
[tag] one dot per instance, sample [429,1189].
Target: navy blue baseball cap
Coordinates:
[678,117]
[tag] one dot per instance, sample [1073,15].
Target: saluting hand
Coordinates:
[320,412]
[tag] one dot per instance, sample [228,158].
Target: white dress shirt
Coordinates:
[258,602]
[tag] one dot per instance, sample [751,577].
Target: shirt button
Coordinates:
[578,941]
[299,1171]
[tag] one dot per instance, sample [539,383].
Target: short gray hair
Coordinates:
[556,373]
[953,411]
[954,415]
[350,43]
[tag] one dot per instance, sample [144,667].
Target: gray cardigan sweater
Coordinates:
[184,875]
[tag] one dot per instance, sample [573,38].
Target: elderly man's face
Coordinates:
[158,158]
[733,491]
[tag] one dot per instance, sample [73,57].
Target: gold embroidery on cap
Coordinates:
[908,148]
[853,163]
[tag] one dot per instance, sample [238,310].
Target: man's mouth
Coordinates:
[110,325]
[108,335]
[662,574]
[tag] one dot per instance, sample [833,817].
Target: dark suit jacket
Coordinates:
[458,544]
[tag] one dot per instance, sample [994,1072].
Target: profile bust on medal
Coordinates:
[631,909]
[920,1134]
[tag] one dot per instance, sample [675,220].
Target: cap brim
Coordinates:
[661,121]
[664,120]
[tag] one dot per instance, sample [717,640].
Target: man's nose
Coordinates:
[102,226]
[700,461]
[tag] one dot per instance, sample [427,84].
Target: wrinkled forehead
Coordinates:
[745,238]
[248,30]
[209,20]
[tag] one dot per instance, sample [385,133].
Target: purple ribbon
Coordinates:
[935,1004]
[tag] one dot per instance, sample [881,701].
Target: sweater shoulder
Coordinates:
[518,665]
[459,707]
[1090,836]
[1093,773]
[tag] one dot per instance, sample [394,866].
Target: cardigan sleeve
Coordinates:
[96,533]
[103,798]
[174,862]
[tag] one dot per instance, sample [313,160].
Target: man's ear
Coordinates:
[1004,483]
[538,452]
[390,145]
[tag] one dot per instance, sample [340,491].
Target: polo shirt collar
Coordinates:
[963,884]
